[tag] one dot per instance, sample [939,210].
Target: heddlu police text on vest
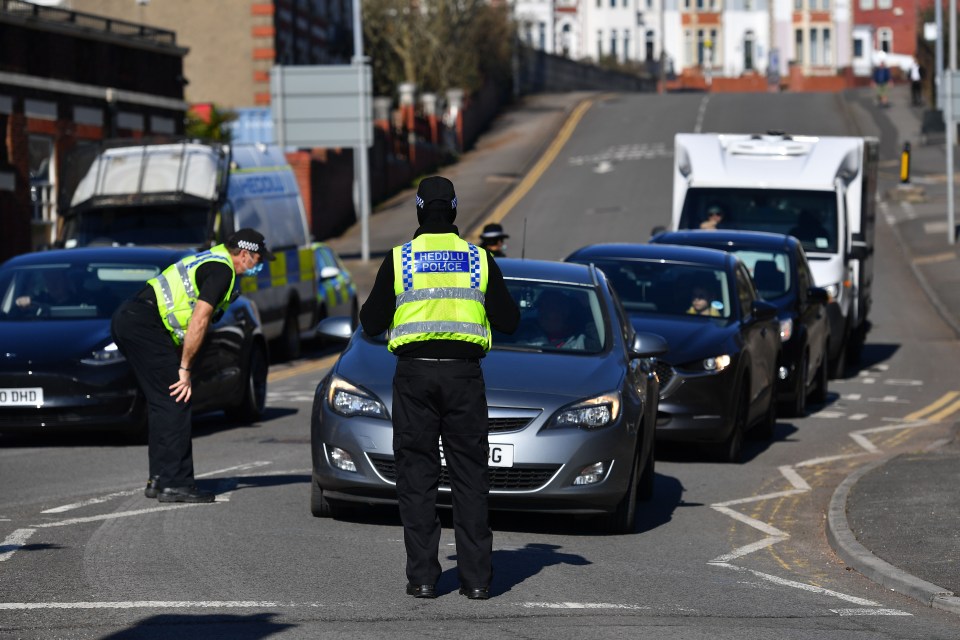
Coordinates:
[440,261]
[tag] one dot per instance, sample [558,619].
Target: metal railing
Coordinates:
[87,21]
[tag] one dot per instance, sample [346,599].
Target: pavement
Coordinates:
[896,519]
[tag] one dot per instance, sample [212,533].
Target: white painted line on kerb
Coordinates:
[870,612]
[14,542]
[125,514]
[130,492]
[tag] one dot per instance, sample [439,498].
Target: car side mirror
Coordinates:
[336,328]
[860,251]
[818,295]
[648,345]
[762,310]
[329,272]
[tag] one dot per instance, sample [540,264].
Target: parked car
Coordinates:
[571,409]
[336,292]
[59,366]
[718,380]
[783,277]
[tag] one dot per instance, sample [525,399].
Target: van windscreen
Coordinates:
[179,225]
[809,216]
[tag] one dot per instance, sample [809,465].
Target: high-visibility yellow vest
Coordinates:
[440,282]
[177,290]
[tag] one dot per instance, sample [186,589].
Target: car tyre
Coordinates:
[320,507]
[623,519]
[765,430]
[254,399]
[647,478]
[731,450]
[819,394]
[799,407]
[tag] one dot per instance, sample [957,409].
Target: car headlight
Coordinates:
[833,292]
[786,329]
[594,413]
[717,363]
[110,354]
[349,400]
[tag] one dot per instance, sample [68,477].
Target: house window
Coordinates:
[857,48]
[814,50]
[626,44]
[798,5]
[748,44]
[885,40]
[543,36]
[599,44]
[798,44]
[866,5]
[884,4]
[613,43]
[649,42]
[827,48]
[689,45]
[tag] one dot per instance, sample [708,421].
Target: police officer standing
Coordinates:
[160,330]
[493,239]
[439,296]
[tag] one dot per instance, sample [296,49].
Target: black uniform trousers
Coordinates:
[434,399]
[146,344]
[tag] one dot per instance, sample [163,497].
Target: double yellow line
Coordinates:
[939,410]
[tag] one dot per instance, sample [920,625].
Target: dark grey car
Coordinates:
[571,416]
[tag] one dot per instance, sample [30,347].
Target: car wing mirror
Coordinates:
[860,250]
[648,345]
[336,328]
[818,295]
[329,272]
[762,310]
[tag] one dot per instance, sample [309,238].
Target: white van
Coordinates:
[195,195]
[820,189]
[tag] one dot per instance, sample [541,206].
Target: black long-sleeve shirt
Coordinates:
[377,312]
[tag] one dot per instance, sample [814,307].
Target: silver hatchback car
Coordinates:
[572,398]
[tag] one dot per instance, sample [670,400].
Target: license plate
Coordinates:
[501,455]
[32,397]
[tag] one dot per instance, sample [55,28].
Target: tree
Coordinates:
[207,122]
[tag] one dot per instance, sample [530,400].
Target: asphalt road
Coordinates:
[723,551]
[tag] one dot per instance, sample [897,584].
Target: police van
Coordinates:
[195,194]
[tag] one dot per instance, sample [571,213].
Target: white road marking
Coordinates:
[870,612]
[747,549]
[130,492]
[765,496]
[14,542]
[142,604]
[851,396]
[770,530]
[581,605]
[800,585]
[858,416]
[880,367]
[904,383]
[828,415]
[124,514]
[892,399]
[863,442]
[794,478]
[701,113]
[869,380]
[813,462]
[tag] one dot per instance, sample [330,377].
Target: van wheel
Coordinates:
[290,338]
[254,399]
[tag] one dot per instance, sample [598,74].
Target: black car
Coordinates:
[59,366]
[782,276]
[718,379]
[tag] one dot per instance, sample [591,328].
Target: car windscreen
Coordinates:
[809,216]
[179,225]
[669,288]
[555,317]
[770,271]
[69,291]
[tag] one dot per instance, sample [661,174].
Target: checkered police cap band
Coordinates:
[420,202]
[249,246]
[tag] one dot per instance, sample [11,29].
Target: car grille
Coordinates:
[665,373]
[500,425]
[525,478]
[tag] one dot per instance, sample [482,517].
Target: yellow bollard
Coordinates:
[905,163]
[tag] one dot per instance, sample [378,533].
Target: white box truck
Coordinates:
[195,194]
[821,189]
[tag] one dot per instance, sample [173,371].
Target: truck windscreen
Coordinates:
[810,216]
[152,225]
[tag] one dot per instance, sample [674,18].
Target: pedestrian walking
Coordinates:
[493,239]
[160,330]
[439,296]
[916,83]
[881,78]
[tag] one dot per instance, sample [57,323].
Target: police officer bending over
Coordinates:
[160,330]
[439,296]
